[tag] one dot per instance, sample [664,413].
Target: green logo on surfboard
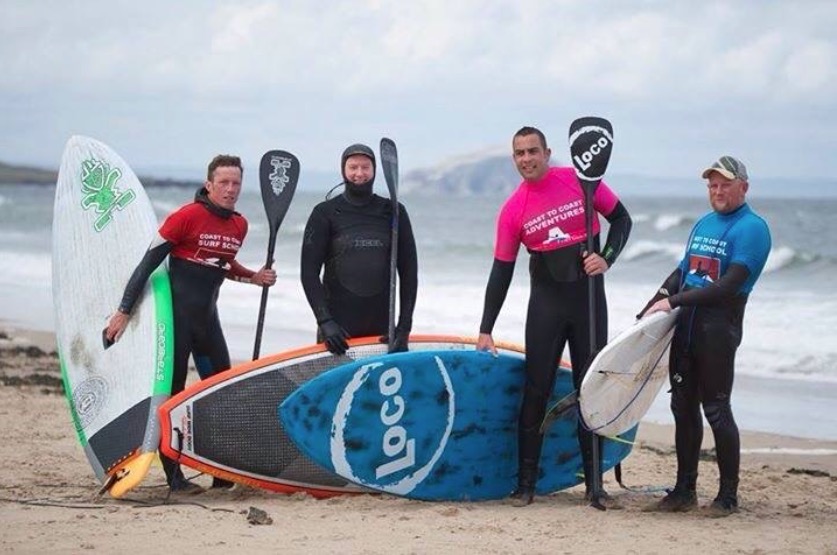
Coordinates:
[98,182]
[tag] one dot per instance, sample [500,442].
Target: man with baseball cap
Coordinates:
[724,257]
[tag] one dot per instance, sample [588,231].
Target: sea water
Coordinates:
[786,369]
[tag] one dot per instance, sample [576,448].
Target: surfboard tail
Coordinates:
[128,475]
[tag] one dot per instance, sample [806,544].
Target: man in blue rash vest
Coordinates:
[201,240]
[350,235]
[725,255]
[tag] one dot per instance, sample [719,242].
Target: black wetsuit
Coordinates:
[351,236]
[557,315]
[548,216]
[201,240]
[725,256]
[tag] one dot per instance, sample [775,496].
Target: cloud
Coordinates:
[442,77]
[810,70]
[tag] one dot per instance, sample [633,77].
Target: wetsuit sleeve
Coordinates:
[669,287]
[617,236]
[314,252]
[156,253]
[495,293]
[724,289]
[407,271]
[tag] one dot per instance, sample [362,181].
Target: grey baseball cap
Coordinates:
[729,167]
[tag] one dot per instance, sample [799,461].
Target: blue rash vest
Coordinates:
[718,240]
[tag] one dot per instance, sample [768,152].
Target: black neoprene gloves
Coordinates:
[334,337]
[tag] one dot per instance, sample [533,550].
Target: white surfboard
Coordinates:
[626,376]
[102,225]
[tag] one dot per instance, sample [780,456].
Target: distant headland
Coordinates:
[28,175]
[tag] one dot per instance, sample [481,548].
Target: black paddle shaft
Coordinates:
[389,162]
[591,143]
[278,176]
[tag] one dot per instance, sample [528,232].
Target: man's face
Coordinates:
[725,195]
[358,169]
[225,186]
[530,157]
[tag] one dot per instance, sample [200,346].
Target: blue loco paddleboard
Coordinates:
[226,425]
[102,225]
[433,425]
[626,375]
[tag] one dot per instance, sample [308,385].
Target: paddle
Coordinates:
[591,143]
[389,162]
[278,175]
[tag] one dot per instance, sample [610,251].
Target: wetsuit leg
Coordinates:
[182,350]
[580,356]
[545,339]
[715,365]
[196,330]
[210,350]
[685,406]
[212,356]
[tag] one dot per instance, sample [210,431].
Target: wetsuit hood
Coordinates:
[363,191]
[202,197]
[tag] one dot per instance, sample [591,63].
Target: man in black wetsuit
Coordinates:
[546,214]
[351,236]
[725,255]
[201,240]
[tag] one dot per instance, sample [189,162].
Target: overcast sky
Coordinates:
[168,84]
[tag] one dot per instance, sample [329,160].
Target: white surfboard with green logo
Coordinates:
[102,225]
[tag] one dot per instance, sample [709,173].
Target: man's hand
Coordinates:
[335,337]
[594,264]
[264,277]
[116,326]
[661,294]
[401,343]
[660,306]
[486,343]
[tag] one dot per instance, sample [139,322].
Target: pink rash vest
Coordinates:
[548,214]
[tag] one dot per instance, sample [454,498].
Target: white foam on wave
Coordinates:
[780,341]
[297,229]
[670,221]
[14,236]
[816,452]
[786,257]
[779,258]
[164,208]
[26,269]
[641,249]
[26,290]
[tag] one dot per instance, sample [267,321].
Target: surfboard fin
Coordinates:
[105,341]
[129,475]
[112,478]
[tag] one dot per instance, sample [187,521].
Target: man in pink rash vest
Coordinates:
[547,215]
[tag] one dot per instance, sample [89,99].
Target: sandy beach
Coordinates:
[788,498]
